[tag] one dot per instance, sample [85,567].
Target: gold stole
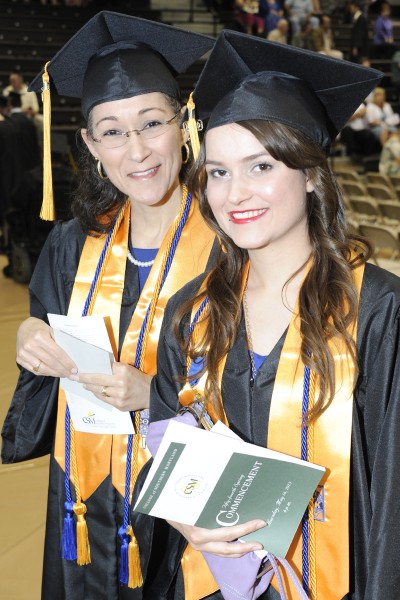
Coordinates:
[331,449]
[98,454]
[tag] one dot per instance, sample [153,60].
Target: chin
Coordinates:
[151,198]
[250,244]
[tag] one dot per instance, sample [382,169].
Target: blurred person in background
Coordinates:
[322,38]
[359,42]
[383,45]
[381,118]
[280,34]
[389,161]
[29,100]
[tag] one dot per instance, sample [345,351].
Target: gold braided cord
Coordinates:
[312,556]
[135,452]
[74,464]
[157,288]
[195,336]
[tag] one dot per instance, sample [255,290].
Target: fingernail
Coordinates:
[257,547]
[74,371]
[261,524]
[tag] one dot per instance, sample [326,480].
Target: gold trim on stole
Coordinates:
[197,578]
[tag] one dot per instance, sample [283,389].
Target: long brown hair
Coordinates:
[328,300]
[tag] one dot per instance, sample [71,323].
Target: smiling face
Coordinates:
[258,201]
[146,170]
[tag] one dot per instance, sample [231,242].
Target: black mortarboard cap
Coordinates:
[115,56]
[246,77]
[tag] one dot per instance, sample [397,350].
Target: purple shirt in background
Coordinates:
[383,29]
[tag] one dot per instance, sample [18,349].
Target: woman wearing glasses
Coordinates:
[136,238]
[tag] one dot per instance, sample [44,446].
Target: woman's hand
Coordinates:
[39,353]
[128,389]
[223,540]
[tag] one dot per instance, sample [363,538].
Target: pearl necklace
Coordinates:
[139,263]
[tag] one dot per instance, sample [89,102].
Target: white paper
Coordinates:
[210,480]
[90,329]
[86,341]
[95,416]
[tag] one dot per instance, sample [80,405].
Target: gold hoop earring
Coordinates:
[186,160]
[102,174]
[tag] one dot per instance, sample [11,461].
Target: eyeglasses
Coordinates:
[115,138]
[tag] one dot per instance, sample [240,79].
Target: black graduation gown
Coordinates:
[375,482]
[10,165]
[29,429]
[28,140]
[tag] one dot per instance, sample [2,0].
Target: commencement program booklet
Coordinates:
[211,479]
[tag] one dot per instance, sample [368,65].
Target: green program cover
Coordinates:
[253,487]
[211,480]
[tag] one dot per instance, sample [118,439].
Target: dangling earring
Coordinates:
[186,160]
[100,171]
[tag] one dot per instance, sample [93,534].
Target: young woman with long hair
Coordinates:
[292,339]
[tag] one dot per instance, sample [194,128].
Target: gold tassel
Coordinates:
[82,536]
[192,127]
[135,570]
[48,212]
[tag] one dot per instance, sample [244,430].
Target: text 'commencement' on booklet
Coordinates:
[214,479]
